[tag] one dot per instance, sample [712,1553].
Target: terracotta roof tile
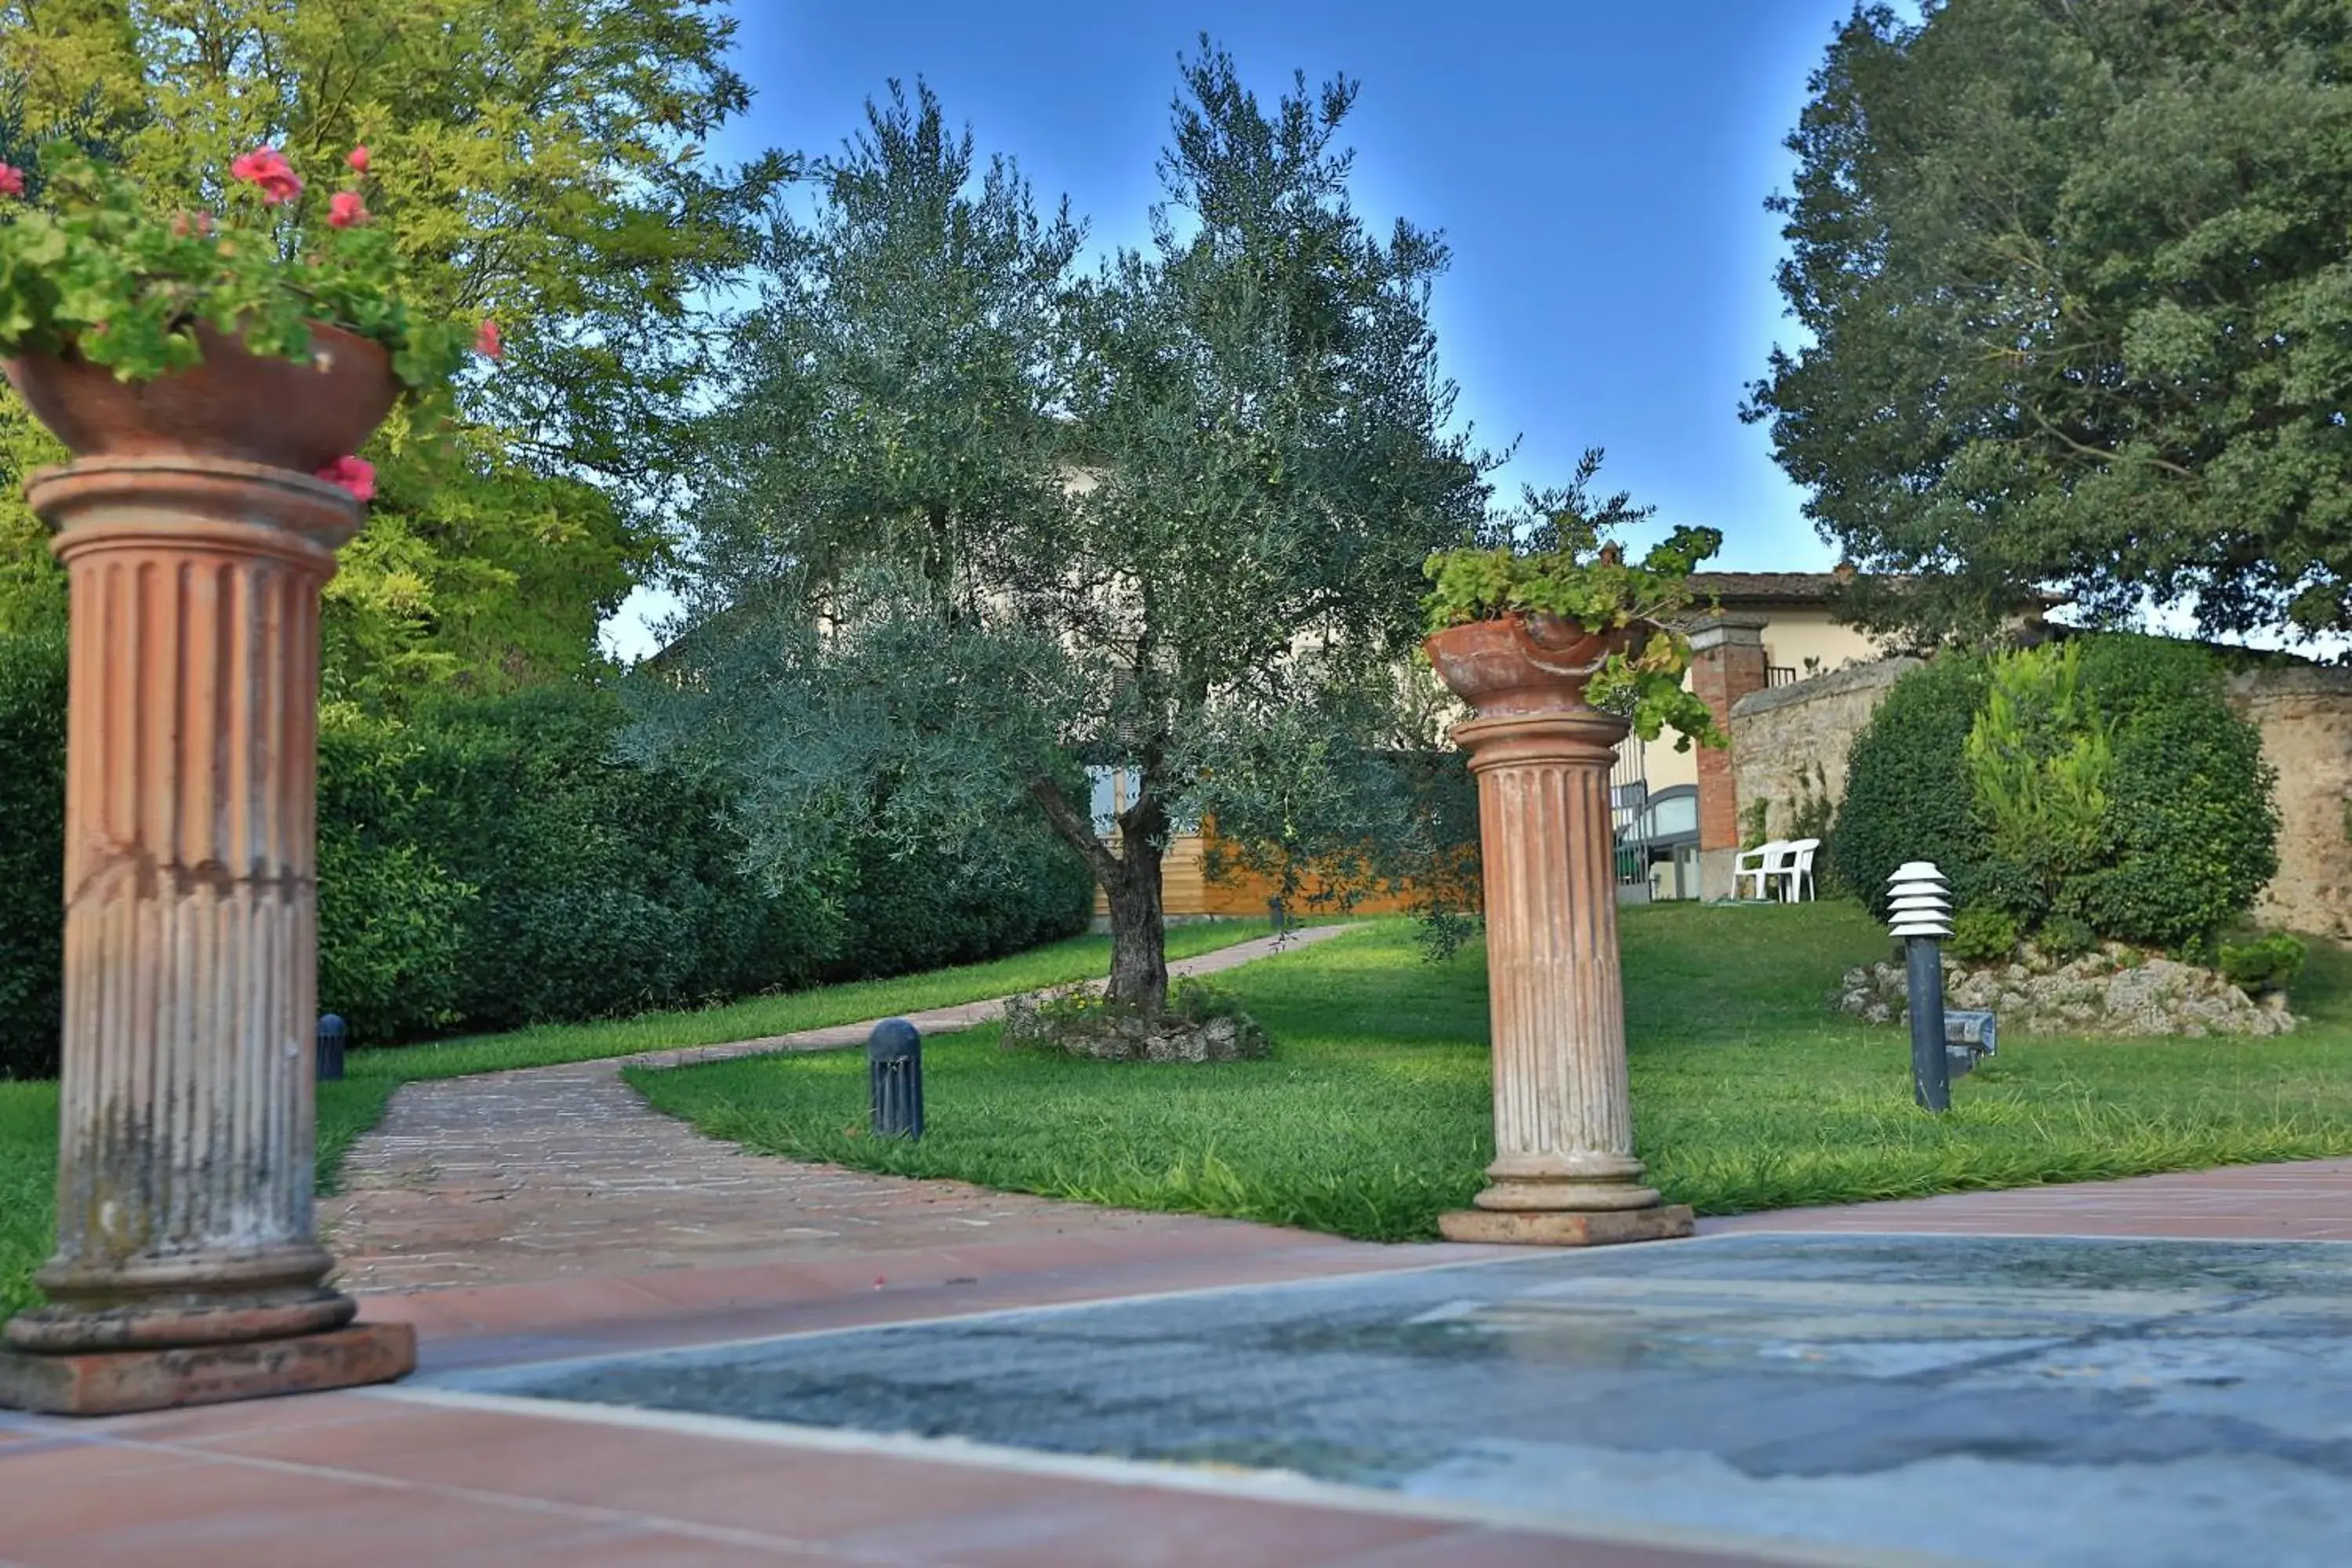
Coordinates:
[1763,587]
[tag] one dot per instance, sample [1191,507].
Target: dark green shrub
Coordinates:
[392,917]
[490,863]
[1982,934]
[601,888]
[2066,937]
[32,849]
[2194,833]
[2267,964]
[2111,786]
[1907,789]
[910,912]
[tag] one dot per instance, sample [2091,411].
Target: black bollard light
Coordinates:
[894,1075]
[1920,914]
[330,1048]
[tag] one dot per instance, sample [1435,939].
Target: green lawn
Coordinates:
[1372,1115]
[28,1112]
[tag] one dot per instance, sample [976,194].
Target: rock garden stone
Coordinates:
[2114,990]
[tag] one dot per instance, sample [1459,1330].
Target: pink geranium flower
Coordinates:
[357,159]
[12,180]
[356,474]
[344,208]
[486,341]
[266,168]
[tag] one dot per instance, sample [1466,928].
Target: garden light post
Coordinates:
[894,1078]
[331,1037]
[186,1268]
[1919,910]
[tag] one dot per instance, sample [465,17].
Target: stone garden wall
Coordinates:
[1788,743]
[2306,717]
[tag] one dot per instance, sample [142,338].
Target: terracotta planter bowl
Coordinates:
[288,413]
[1524,664]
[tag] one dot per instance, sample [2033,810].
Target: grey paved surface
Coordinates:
[2011,1400]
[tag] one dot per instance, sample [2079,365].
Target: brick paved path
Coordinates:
[556,1173]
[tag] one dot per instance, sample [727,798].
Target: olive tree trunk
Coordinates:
[1129,878]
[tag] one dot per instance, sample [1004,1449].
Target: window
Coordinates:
[1115,790]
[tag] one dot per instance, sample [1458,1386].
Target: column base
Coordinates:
[1600,1227]
[118,1383]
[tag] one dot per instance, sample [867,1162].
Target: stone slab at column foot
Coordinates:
[1599,1228]
[120,1382]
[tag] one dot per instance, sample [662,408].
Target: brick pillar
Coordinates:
[1727,664]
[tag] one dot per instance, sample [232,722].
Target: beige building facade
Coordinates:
[1677,811]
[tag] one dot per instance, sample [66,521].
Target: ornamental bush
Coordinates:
[2264,964]
[598,887]
[2103,787]
[2195,831]
[1983,936]
[1906,790]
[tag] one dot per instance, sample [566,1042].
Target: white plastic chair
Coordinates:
[1768,859]
[1797,867]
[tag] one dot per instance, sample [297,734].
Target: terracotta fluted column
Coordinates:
[186,1268]
[1564,1170]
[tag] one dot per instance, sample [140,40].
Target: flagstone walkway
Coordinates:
[564,1172]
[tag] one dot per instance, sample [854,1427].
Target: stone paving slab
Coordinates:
[564,1172]
[2060,1402]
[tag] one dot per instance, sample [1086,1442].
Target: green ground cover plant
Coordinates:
[28,1110]
[1371,1116]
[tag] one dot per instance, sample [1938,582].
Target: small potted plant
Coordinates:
[274,331]
[1572,624]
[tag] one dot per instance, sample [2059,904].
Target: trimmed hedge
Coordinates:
[904,912]
[489,864]
[32,840]
[2187,840]
[598,887]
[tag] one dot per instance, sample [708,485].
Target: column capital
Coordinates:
[1586,737]
[193,503]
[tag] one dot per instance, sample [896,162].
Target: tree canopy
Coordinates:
[2077,278]
[973,517]
[541,163]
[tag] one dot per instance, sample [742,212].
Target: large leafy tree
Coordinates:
[2078,283]
[973,521]
[541,162]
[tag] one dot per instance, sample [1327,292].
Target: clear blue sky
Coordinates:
[1598,166]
